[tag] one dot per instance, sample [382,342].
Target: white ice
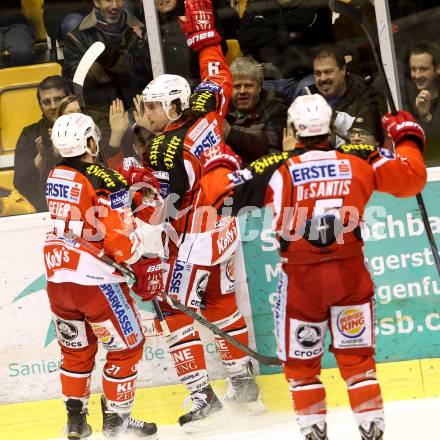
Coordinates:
[405,420]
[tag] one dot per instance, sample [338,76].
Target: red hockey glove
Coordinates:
[199,24]
[145,175]
[149,283]
[220,156]
[403,125]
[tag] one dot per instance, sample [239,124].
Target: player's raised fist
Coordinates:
[198,24]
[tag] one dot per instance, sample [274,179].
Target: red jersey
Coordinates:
[319,196]
[174,156]
[93,202]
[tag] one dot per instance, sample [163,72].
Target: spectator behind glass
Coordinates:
[281,33]
[34,153]
[119,125]
[366,130]
[255,124]
[122,69]
[174,42]
[348,95]
[421,95]
[62,16]
[16,35]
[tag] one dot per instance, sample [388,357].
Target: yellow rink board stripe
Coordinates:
[163,405]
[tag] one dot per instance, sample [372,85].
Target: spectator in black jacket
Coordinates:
[348,95]
[34,153]
[282,32]
[255,124]
[422,95]
[16,35]
[123,68]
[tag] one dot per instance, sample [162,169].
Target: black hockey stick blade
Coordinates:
[267,360]
[350,11]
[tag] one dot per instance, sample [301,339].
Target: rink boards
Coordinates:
[408,298]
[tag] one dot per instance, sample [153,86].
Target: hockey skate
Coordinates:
[371,431]
[77,426]
[114,424]
[243,392]
[318,432]
[201,415]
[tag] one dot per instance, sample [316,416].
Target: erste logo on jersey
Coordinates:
[119,199]
[318,171]
[207,139]
[57,189]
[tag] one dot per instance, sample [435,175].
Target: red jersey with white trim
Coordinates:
[93,202]
[319,196]
[174,156]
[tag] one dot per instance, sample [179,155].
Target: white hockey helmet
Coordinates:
[310,114]
[71,132]
[165,89]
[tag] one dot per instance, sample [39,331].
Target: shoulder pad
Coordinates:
[203,101]
[162,150]
[363,151]
[270,161]
[104,178]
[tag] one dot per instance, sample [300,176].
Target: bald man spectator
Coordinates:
[255,124]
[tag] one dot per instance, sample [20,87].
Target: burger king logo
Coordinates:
[351,322]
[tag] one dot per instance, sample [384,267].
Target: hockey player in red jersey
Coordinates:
[90,301]
[200,270]
[319,196]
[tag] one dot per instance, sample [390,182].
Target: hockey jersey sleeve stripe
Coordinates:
[380,162]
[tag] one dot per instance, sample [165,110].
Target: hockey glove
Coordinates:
[140,175]
[149,281]
[220,156]
[198,24]
[402,125]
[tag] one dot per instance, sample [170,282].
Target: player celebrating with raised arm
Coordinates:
[201,267]
[90,302]
[319,196]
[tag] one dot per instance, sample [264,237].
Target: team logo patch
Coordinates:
[214,88]
[230,270]
[240,176]
[386,153]
[201,285]
[119,199]
[351,322]
[308,335]
[67,330]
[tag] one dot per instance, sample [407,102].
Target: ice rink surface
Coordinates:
[405,420]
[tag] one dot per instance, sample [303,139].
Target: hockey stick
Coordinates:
[350,11]
[97,253]
[267,360]
[87,60]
